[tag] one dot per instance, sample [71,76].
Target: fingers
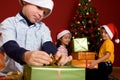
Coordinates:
[37,58]
[33,63]
[62,58]
[58,55]
[70,58]
[65,60]
[91,64]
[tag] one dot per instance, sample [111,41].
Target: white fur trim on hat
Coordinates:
[42,3]
[62,33]
[112,31]
[117,41]
[108,31]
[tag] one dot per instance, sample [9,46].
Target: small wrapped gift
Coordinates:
[84,55]
[82,63]
[80,44]
[53,73]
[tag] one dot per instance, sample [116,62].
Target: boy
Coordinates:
[28,40]
[106,52]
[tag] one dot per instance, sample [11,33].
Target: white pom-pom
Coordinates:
[117,41]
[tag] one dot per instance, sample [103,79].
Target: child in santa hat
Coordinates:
[63,41]
[106,52]
[26,39]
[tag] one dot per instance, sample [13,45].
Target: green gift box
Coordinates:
[53,73]
[80,44]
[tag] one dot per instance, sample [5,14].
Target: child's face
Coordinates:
[104,34]
[65,40]
[34,13]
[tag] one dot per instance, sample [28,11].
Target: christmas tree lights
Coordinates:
[85,23]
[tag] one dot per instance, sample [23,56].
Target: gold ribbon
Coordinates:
[59,72]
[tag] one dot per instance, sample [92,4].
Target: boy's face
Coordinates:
[34,13]
[104,34]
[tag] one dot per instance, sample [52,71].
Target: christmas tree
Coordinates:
[86,24]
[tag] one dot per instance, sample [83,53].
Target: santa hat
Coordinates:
[62,32]
[41,3]
[112,31]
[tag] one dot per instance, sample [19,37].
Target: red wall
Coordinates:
[64,11]
[109,12]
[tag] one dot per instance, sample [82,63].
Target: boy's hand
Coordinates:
[37,58]
[92,64]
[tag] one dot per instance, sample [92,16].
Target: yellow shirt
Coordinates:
[109,47]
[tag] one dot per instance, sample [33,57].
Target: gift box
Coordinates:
[80,44]
[11,75]
[82,63]
[84,55]
[2,61]
[53,73]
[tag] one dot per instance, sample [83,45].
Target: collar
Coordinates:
[28,22]
[19,17]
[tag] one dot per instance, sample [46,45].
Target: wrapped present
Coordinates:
[84,55]
[13,75]
[80,44]
[2,77]
[82,63]
[53,73]
[2,61]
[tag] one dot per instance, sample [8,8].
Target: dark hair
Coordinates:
[58,43]
[21,2]
[102,28]
[68,47]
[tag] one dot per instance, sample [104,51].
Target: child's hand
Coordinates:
[37,58]
[62,58]
[92,64]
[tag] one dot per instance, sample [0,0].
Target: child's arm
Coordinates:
[93,63]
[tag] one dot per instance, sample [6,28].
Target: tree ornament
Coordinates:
[87,13]
[94,19]
[73,37]
[79,4]
[75,33]
[78,22]
[80,16]
[81,29]
[86,4]
[88,43]
[85,7]
[89,0]
[83,22]
[92,35]
[74,18]
[84,26]
[90,21]
[97,14]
